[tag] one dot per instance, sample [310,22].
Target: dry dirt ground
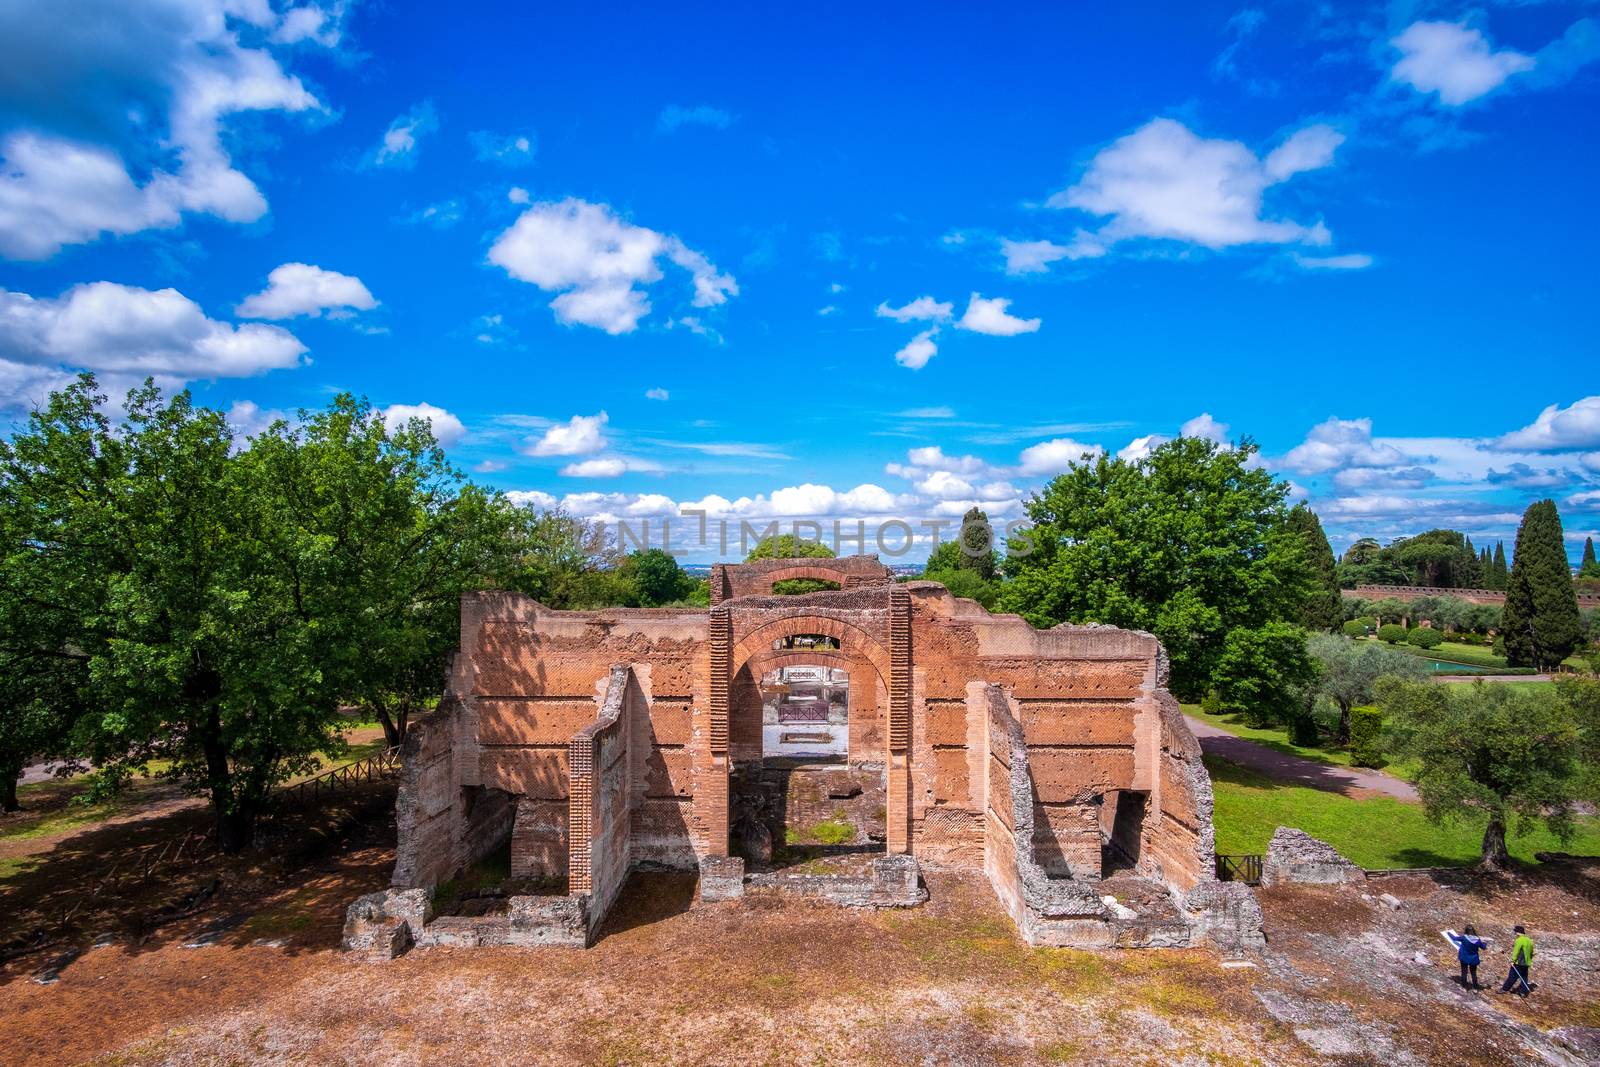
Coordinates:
[756,982]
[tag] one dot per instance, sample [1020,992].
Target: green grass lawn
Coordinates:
[1273,737]
[1375,833]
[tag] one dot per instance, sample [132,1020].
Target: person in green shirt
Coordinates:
[1521,960]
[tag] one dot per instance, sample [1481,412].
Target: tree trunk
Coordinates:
[8,788]
[394,726]
[236,828]
[235,815]
[1494,844]
[1344,723]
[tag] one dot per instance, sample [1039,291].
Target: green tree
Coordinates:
[1189,543]
[657,576]
[1350,671]
[405,536]
[788,546]
[1589,567]
[977,543]
[1499,574]
[1266,674]
[1516,756]
[1540,620]
[1323,608]
[206,651]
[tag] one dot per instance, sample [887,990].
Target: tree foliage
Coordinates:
[1322,610]
[1350,671]
[1190,543]
[1518,756]
[789,546]
[1266,674]
[1540,622]
[968,564]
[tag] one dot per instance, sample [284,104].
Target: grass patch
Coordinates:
[829,832]
[69,817]
[1377,832]
[1273,737]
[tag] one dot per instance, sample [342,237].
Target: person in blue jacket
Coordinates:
[1468,946]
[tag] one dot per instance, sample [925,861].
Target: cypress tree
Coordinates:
[1541,620]
[1323,608]
[1588,566]
[1486,567]
[1499,566]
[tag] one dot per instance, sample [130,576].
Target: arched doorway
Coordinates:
[808,710]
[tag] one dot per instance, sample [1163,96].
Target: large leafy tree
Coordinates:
[1190,543]
[395,535]
[1266,673]
[657,577]
[968,564]
[1350,671]
[789,546]
[44,589]
[1540,622]
[1323,608]
[1516,756]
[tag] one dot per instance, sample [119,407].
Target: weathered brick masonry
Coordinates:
[605,740]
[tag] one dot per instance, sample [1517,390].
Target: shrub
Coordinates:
[1366,731]
[1392,634]
[1423,637]
[1355,628]
[1303,729]
[1211,704]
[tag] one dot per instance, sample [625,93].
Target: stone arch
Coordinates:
[819,571]
[854,641]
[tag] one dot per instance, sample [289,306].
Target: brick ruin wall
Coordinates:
[526,742]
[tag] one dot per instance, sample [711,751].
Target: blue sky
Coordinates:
[834,264]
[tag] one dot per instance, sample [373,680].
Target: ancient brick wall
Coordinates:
[611,736]
[730,581]
[602,789]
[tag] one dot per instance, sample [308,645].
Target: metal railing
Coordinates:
[1244,868]
[381,765]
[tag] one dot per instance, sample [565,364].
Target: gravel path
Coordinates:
[1296,770]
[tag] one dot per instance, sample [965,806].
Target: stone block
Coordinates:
[721,878]
[1294,856]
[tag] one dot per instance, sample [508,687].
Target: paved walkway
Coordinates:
[1296,770]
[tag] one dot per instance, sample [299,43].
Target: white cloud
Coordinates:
[1164,182]
[249,418]
[1359,479]
[441,215]
[510,149]
[1339,443]
[398,145]
[1310,148]
[921,461]
[519,195]
[673,117]
[532,498]
[990,317]
[295,289]
[1349,261]
[945,486]
[918,350]
[1203,425]
[1576,426]
[580,435]
[101,90]
[656,394]
[942,411]
[1031,257]
[1523,476]
[447,429]
[922,309]
[600,467]
[1589,498]
[1453,60]
[125,333]
[596,261]
[1141,447]
[831,309]
[310,22]
[1053,457]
